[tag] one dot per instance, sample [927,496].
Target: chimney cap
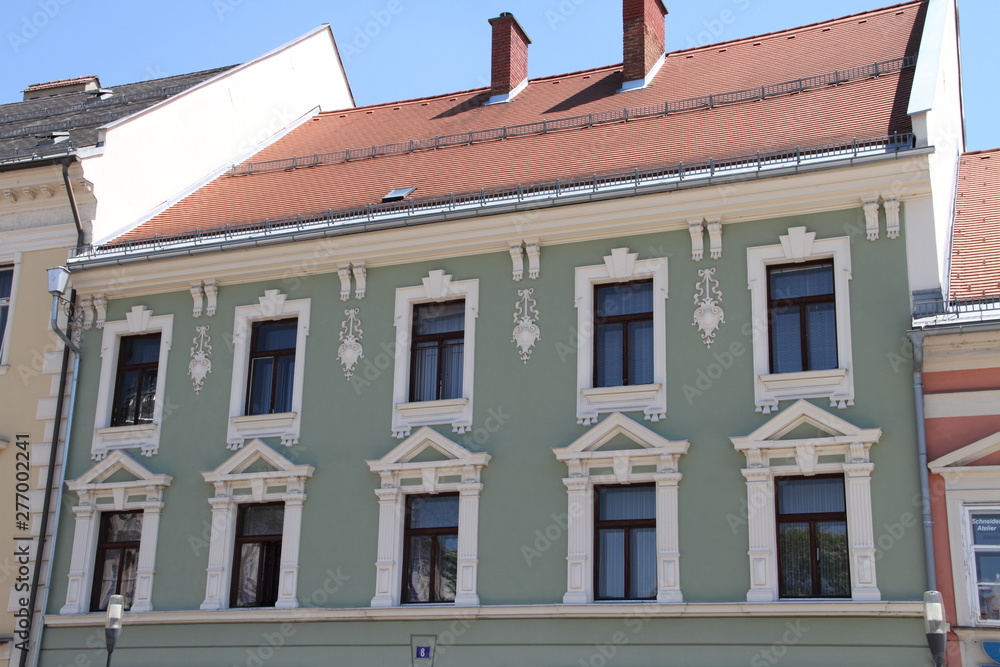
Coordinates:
[507,16]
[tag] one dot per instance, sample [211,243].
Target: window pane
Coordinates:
[986,529]
[147,397]
[834,569]
[6,280]
[452,353]
[626,502]
[642,574]
[821,324]
[123,527]
[796,560]
[271,336]
[123,411]
[425,366]
[248,575]
[811,496]
[433,511]
[140,350]
[611,559]
[261,371]
[109,577]
[3,322]
[795,282]
[447,566]
[263,520]
[624,299]
[786,340]
[610,372]
[438,318]
[283,384]
[640,353]
[130,567]
[418,569]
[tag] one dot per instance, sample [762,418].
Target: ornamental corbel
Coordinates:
[47,190]
[715,237]
[360,280]
[87,310]
[29,193]
[697,230]
[534,252]
[891,207]
[756,458]
[198,296]
[344,271]
[211,297]
[871,218]
[470,474]
[517,261]
[101,306]
[858,452]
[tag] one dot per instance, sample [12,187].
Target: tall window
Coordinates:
[623,327]
[985,529]
[431,545]
[625,535]
[257,555]
[812,538]
[135,382]
[272,367]
[438,349]
[6,280]
[803,317]
[117,558]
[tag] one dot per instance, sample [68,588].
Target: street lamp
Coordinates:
[58,280]
[935,626]
[113,625]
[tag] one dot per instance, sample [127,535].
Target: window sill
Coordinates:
[284,425]
[454,411]
[650,398]
[145,437]
[835,384]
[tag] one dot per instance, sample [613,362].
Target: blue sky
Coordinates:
[399,49]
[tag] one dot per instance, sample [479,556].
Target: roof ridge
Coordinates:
[981,152]
[798,29]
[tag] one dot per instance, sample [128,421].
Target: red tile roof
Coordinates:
[62,82]
[975,254]
[862,108]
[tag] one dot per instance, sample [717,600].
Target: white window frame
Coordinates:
[767,455]
[837,384]
[287,425]
[588,466]
[407,415]
[285,482]
[96,495]
[620,266]
[15,266]
[968,487]
[145,437]
[457,470]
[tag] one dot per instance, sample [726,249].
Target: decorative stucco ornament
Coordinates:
[201,364]
[708,315]
[350,349]
[526,331]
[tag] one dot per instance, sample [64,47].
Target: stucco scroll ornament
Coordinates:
[526,331]
[350,349]
[708,315]
[201,364]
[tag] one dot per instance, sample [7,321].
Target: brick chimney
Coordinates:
[509,70]
[643,41]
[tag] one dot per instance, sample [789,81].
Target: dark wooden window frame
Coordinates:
[274,354]
[812,520]
[122,368]
[627,525]
[624,320]
[5,300]
[409,532]
[103,545]
[270,569]
[442,341]
[801,303]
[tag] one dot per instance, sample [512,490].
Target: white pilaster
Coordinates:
[668,553]
[468,545]
[580,538]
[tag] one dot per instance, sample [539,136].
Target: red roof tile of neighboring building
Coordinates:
[863,108]
[60,83]
[975,254]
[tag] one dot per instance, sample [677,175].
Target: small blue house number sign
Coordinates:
[424,652]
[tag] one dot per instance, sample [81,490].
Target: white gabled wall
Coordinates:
[151,157]
[936,112]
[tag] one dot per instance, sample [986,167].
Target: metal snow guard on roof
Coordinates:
[588,120]
[677,173]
